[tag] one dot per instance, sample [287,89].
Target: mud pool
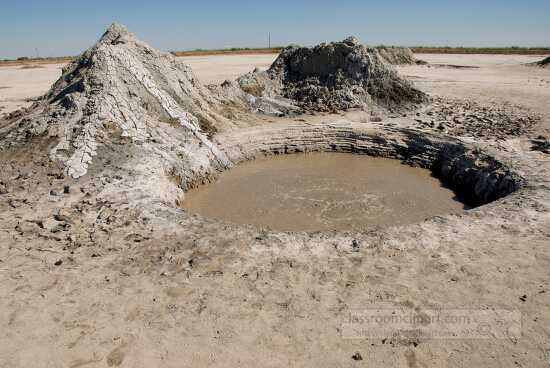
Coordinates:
[323,191]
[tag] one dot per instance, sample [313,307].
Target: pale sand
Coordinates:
[17,84]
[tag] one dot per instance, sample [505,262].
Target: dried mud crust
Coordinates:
[463,118]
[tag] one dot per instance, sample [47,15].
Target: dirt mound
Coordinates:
[119,89]
[334,76]
[544,63]
[399,55]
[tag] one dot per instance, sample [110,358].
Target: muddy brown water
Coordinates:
[322,191]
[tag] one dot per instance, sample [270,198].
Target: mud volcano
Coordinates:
[334,76]
[323,191]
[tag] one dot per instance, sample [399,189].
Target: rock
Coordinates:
[352,41]
[63,216]
[28,227]
[541,144]
[24,175]
[15,203]
[49,223]
[59,262]
[66,189]
[545,63]
[60,227]
[355,245]
[357,356]
[54,193]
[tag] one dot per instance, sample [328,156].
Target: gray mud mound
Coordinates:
[399,55]
[119,89]
[334,76]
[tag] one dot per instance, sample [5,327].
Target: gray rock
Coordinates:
[63,216]
[28,227]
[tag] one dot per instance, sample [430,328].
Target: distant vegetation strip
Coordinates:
[482,50]
[274,50]
[234,50]
[36,61]
[416,49]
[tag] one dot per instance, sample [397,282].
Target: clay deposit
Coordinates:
[100,265]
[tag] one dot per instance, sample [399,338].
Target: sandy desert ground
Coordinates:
[87,283]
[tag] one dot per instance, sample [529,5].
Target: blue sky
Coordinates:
[62,27]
